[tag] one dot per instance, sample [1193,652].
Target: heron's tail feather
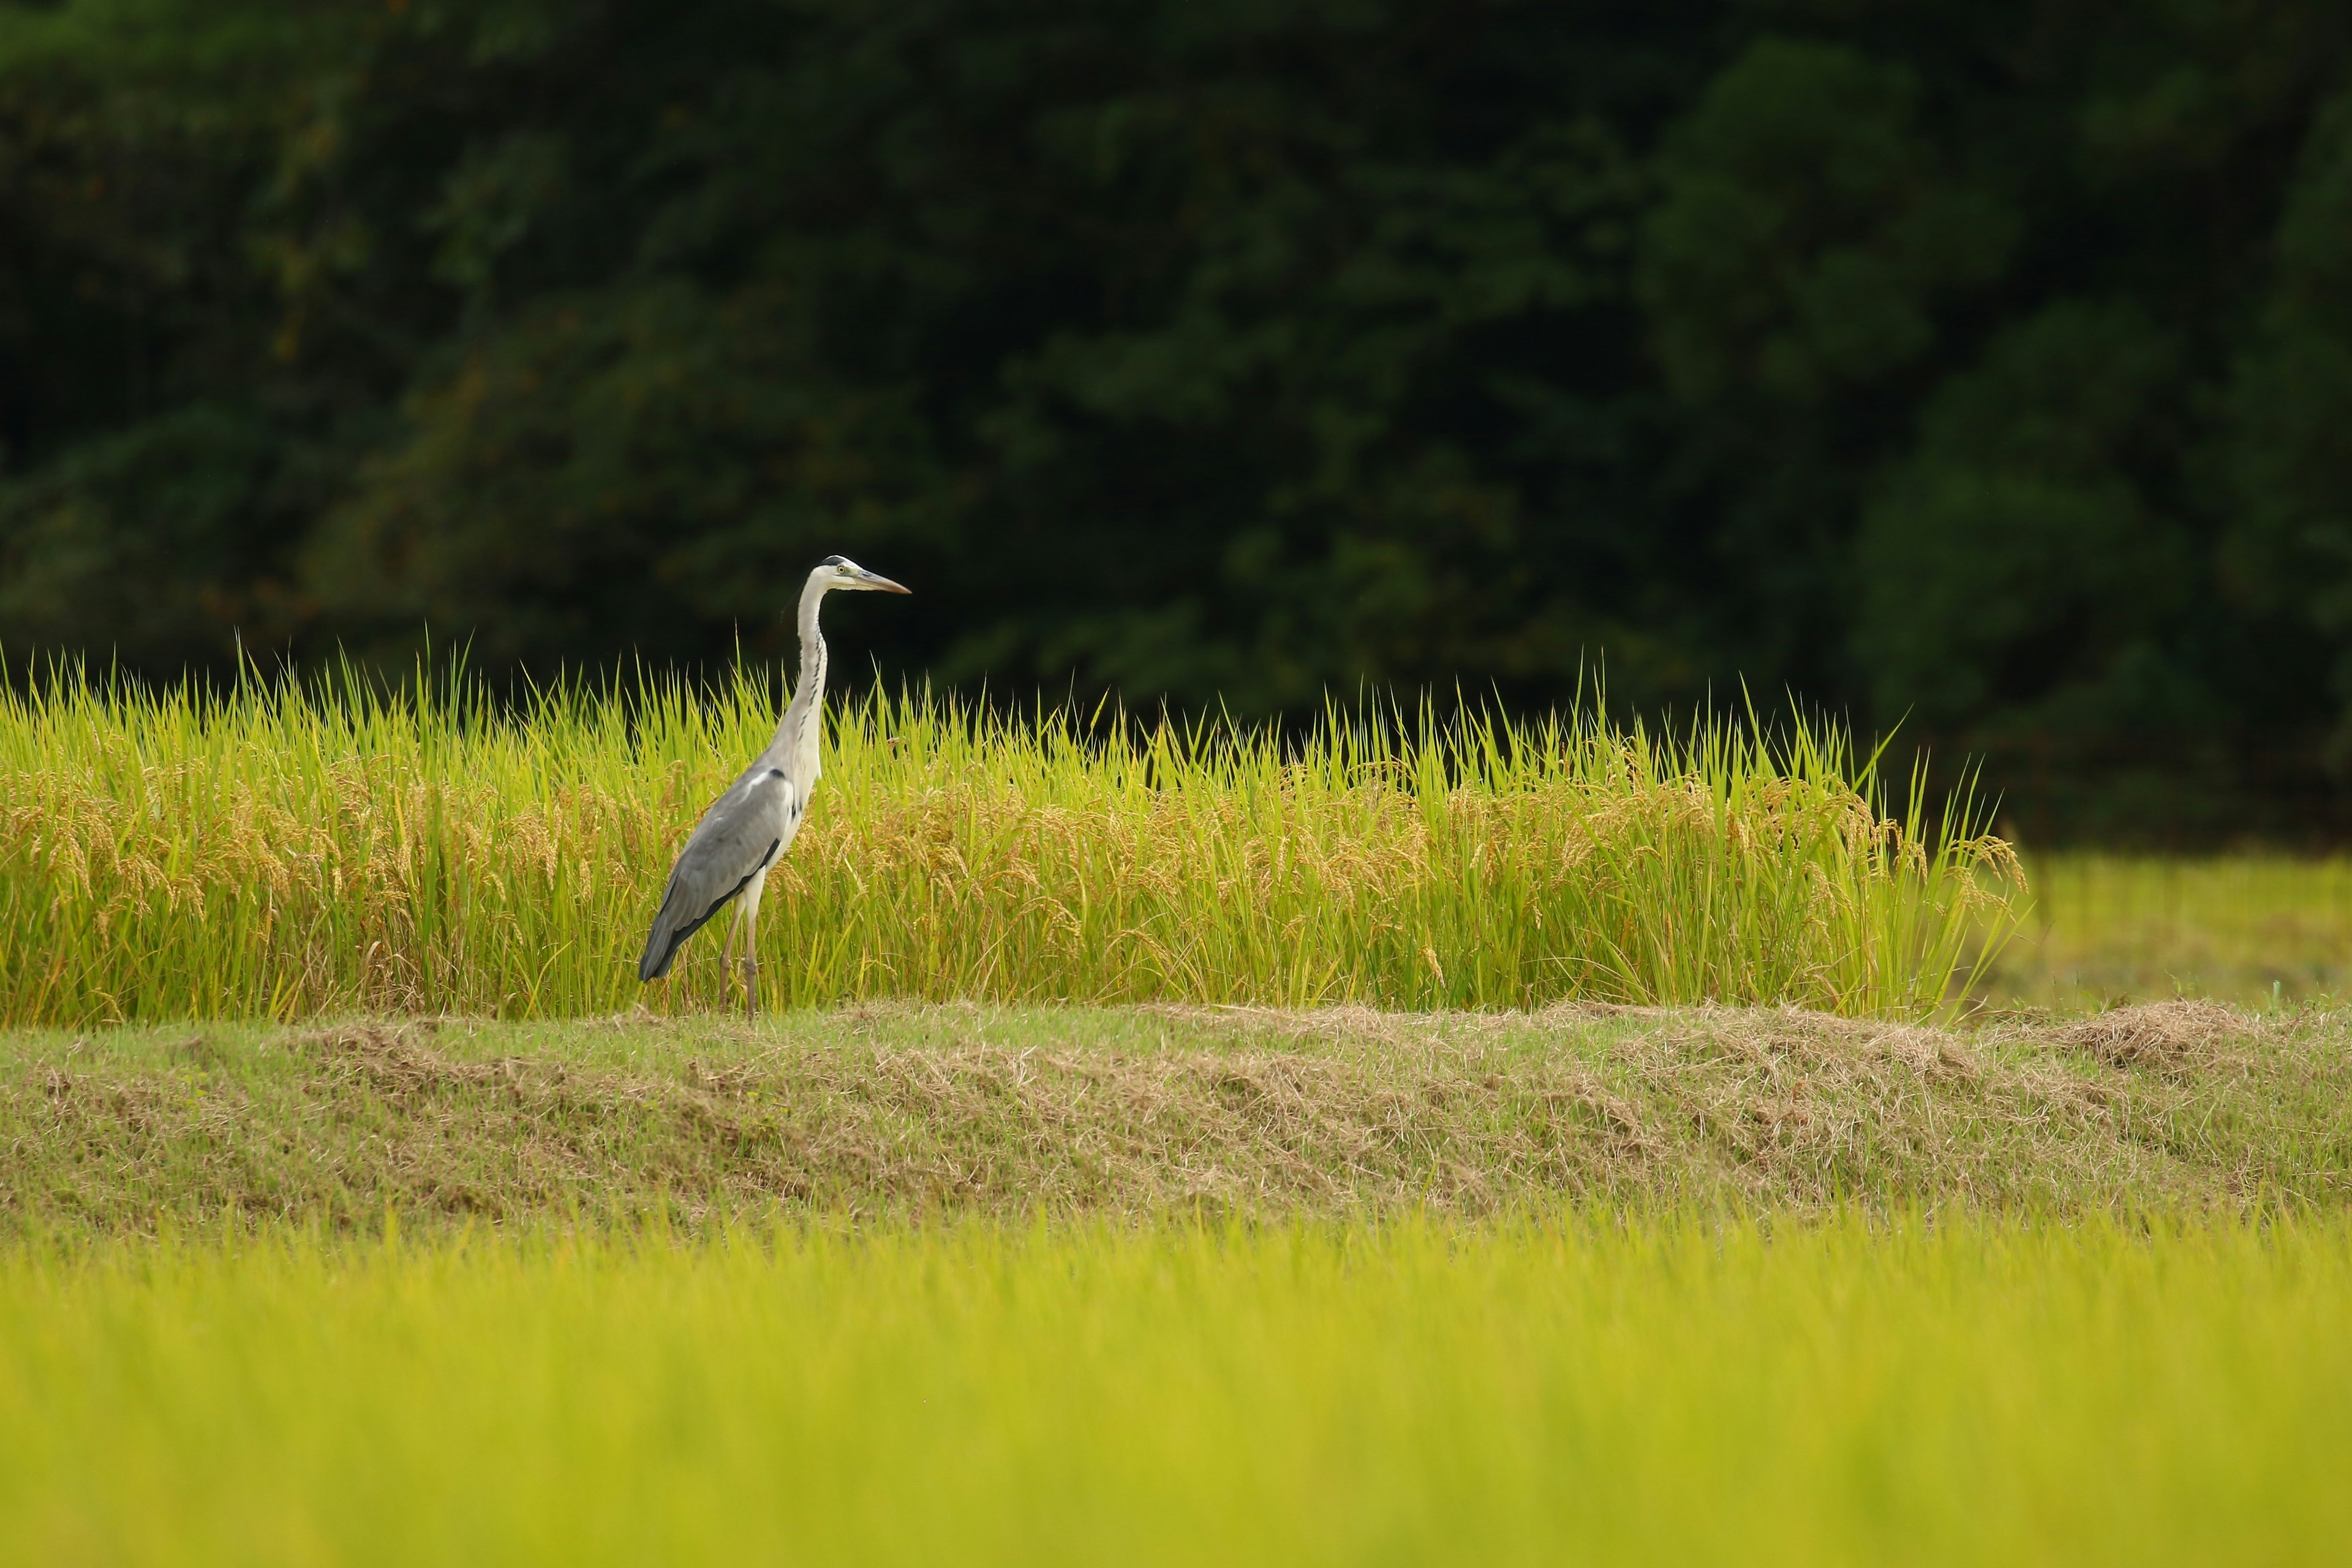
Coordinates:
[661,950]
[671,928]
[669,934]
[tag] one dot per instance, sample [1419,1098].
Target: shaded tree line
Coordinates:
[1980,367]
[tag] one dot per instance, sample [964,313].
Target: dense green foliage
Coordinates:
[1650,1391]
[1982,362]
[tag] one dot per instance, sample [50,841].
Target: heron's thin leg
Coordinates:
[726,953]
[750,960]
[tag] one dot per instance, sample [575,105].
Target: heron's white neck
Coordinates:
[808,694]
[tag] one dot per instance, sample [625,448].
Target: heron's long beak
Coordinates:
[880,584]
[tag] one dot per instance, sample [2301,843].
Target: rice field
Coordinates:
[1667,1390]
[2261,930]
[292,851]
[287,976]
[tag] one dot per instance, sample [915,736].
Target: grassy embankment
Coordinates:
[883,1111]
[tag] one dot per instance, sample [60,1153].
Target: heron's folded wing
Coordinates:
[737,837]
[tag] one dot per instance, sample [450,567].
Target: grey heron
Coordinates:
[727,859]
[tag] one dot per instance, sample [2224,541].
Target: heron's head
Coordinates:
[839,572]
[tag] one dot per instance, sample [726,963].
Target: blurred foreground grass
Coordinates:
[1968,1390]
[2252,929]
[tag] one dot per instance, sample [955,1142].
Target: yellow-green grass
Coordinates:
[286,852]
[2256,929]
[1961,1392]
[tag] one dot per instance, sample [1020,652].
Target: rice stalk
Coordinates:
[289,850]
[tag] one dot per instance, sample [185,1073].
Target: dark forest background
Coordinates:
[1983,365]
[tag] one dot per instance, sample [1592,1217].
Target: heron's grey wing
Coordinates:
[733,843]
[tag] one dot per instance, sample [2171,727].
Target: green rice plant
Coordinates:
[286,851]
[1973,1391]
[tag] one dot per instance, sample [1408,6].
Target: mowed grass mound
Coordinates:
[284,853]
[881,1113]
[1660,1390]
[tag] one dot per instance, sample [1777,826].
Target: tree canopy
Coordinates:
[1982,367]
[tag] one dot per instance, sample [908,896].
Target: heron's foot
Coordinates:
[751,989]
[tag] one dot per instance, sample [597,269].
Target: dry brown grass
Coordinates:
[889,1108]
[2177,1035]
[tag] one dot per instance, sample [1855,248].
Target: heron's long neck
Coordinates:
[808,695]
